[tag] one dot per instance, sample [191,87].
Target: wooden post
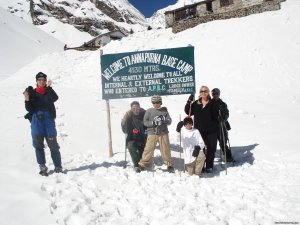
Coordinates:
[109,129]
[108,122]
[180,149]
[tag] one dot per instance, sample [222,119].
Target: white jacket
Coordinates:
[189,139]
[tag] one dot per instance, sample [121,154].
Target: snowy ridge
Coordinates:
[259,80]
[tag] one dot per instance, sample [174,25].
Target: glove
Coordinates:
[125,117]
[163,119]
[191,98]
[196,151]
[157,121]
[179,126]
[228,127]
[28,91]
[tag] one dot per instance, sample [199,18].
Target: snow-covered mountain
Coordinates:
[253,60]
[93,16]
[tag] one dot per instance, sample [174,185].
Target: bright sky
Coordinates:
[148,7]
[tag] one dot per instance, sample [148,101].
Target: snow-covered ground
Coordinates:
[21,42]
[253,60]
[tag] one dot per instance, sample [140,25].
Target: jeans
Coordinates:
[43,127]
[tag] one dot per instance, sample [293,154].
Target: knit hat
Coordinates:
[156,99]
[40,75]
[216,90]
[187,120]
[135,103]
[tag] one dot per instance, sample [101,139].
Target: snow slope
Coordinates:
[253,60]
[21,42]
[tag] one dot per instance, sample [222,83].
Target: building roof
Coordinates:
[188,6]
[113,34]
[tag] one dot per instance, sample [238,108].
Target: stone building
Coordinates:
[103,39]
[207,10]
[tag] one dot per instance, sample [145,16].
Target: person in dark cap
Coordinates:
[132,125]
[193,147]
[223,123]
[157,120]
[39,102]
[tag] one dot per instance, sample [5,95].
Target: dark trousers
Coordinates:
[223,140]
[136,150]
[210,140]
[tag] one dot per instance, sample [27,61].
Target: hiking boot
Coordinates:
[229,159]
[43,170]
[171,169]
[139,169]
[58,169]
[209,170]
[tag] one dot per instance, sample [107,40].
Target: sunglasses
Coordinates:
[203,91]
[156,102]
[41,79]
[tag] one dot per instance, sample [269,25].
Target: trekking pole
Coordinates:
[153,163]
[125,151]
[221,155]
[180,149]
[233,161]
[224,144]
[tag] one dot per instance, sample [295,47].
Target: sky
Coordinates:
[149,7]
[255,79]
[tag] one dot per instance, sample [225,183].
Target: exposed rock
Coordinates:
[92,25]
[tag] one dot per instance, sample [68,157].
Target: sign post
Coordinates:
[109,129]
[108,122]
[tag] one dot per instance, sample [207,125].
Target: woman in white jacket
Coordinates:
[193,146]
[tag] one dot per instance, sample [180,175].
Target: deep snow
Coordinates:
[19,37]
[253,60]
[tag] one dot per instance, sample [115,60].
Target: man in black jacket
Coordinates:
[223,124]
[132,125]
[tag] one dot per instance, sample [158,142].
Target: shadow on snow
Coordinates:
[242,155]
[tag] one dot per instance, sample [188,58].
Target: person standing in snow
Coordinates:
[39,102]
[193,147]
[205,114]
[223,123]
[132,125]
[156,120]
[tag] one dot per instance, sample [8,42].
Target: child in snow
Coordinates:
[193,146]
